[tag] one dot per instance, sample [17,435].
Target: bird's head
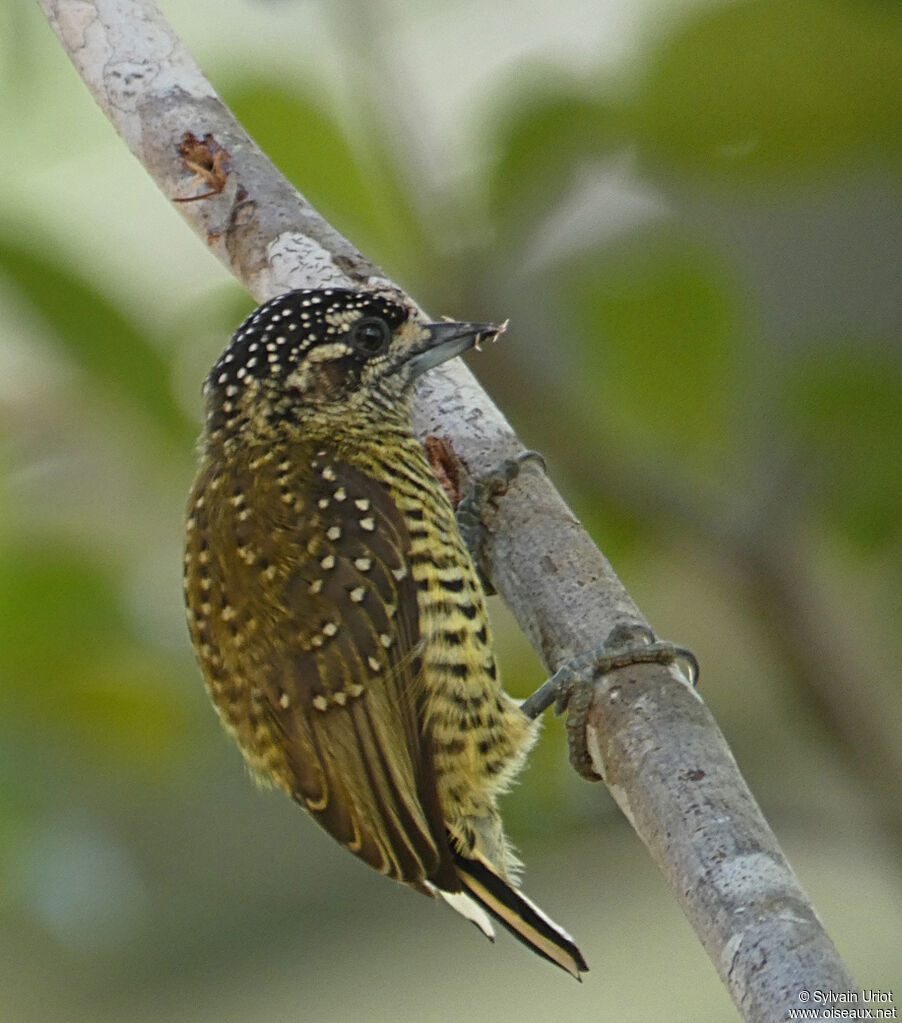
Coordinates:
[328,353]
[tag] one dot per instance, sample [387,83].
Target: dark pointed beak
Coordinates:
[445,340]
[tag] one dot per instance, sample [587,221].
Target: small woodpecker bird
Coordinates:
[335,610]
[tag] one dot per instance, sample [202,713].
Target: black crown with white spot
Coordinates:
[277,336]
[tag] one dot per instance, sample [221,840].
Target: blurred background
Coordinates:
[692,214]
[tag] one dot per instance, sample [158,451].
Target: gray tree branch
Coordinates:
[652,738]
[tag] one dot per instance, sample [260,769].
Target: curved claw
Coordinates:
[528,455]
[690,661]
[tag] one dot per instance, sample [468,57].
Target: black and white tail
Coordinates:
[485,889]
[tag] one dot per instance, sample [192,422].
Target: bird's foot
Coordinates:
[571,688]
[474,511]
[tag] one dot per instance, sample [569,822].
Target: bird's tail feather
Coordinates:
[518,914]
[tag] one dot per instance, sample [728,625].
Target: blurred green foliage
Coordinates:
[74,668]
[657,316]
[843,405]
[100,339]
[630,221]
[756,91]
[544,132]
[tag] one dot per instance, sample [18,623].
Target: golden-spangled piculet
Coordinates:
[335,610]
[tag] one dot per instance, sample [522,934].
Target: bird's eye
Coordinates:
[370,336]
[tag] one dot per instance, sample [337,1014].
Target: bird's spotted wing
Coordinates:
[327,630]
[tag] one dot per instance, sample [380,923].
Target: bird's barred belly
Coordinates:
[479,733]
